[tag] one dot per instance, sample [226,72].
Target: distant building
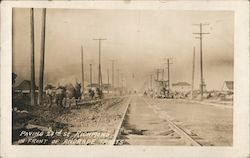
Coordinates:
[228,86]
[181,87]
[106,87]
[24,87]
[160,87]
[161,83]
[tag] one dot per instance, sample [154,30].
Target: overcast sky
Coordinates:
[137,39]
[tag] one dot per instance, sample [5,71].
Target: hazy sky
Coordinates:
[138,40]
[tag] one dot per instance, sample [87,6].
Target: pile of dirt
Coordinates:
[96,117]
[102,116]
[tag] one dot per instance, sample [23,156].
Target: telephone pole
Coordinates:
[168,69]
[202,85]
[108,79]
[122,87]
[151,82]
[157,74]
[113,74]
[193,73]
[100,69]
[118,78]
[82,59]
[32,61]
[41,76]
[90,75]
[168,75]
[163,74]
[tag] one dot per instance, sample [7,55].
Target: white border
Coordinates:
[241,77]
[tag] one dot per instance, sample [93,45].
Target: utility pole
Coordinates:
[168,69]
[202,85]
[42,53]
[157,74]
[193,73]
[90,75]
[82,59]
[108,79]
[113,74]
[168,75]
[122,79]
[118,78]
[163,74]
[100,69]
[32,61]
[151,82]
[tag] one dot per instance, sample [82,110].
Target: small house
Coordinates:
[181,87]
[24,87]
[228,86]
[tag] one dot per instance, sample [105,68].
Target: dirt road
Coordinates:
[145,123]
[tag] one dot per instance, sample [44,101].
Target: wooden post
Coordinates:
[193,73]
[158,72]
[118,78]
[113,75]
[82,57]
[42,53]
[201,33]
[163,74]
[168,75]
[202,83]
[108,79]
[99,68]
[32,61]
[90,75]
[151,82]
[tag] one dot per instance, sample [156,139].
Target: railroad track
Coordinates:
[114,141]
[186,135]
[159,129]
[171,135]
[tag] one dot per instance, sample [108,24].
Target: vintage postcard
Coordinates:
[101,78]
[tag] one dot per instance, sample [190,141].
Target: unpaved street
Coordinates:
[146,123]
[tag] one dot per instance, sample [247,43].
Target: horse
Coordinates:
[64,95]
[60,94]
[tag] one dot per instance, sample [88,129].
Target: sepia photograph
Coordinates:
[124,79]
[101,77]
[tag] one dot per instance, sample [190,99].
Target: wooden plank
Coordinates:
[42,128]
